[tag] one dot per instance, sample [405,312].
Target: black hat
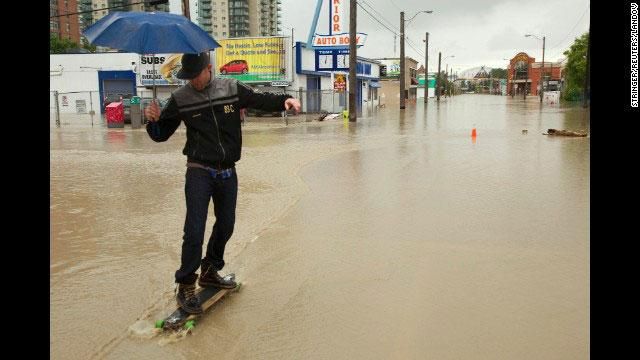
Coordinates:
[192,65]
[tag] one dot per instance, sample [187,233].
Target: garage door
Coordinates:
[124,87]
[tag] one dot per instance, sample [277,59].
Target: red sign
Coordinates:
[340,84]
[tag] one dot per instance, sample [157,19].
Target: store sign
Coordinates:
[338,34]
[340,83]
[252,59]
[161,67]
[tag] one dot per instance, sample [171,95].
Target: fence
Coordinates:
[82,108]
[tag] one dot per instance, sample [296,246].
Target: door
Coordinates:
[313,94]
[359,96]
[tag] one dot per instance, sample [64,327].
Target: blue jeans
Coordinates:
[201,187]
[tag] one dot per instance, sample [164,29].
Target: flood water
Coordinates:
[397,237]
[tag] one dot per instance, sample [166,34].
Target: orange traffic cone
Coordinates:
[473,132]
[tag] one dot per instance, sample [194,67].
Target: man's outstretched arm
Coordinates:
[266,101]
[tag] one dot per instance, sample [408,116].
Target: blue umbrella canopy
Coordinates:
[149,33]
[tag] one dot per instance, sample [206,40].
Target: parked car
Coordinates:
[235,67]
[260,113]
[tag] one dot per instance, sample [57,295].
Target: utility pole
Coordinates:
[402,103]
[587,83]
[352,61]
[446,81]
[449,81]
[426,68]
[542,82]
[438,78]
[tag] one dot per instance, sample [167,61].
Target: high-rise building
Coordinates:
[64,27]
[239,18]
[117,5]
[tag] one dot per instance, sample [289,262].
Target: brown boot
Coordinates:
[187,298]
[209,277]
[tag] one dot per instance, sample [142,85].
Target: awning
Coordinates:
[374,84]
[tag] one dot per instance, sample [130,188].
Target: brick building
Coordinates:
[64,27]
[524,72]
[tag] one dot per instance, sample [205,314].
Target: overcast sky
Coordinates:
[477,32]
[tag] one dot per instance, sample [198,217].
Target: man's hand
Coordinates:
[152,111]
[292,103]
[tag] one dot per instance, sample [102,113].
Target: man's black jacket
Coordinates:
[212,118]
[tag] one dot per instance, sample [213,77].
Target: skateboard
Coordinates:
[207,296]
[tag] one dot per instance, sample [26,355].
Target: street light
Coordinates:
[446,71]
[402,75]
[542,72]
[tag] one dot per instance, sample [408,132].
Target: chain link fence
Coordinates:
[74,108]
[83,108]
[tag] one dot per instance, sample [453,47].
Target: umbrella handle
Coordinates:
[153,64]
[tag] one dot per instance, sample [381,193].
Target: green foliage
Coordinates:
[576,69]
[60,46]
[498,73]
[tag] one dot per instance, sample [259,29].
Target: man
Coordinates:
[210,110]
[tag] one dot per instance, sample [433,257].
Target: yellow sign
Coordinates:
[252,59]
[340,83]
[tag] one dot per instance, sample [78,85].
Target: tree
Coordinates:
[498,73]
[576,68]
[59,46]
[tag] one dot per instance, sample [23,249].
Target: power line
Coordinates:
[394,4]
[392,31]
[379,14]
[572,29]
[376,19]
[147,2]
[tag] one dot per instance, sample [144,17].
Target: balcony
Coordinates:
[238,5]
[205,21]
[205,7]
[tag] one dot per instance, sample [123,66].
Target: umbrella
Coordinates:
[150,33]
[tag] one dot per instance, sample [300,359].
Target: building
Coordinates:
[88,79]
[64,27]
[120,5]
[524,74]
[240,18]
[321,78]
[390,79]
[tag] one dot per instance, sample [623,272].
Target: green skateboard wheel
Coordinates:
[159,324]
[190,324]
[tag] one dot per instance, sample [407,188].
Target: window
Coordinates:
[224,18]
[224,25]
[68,27]
[224,34]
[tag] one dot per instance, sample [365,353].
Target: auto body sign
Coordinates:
[252,59]
[162,67]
